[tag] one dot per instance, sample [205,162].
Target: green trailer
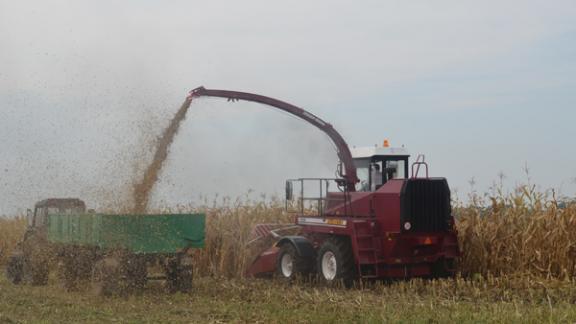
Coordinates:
[115,253]
[139,234]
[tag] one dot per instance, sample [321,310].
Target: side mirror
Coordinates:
[289,190]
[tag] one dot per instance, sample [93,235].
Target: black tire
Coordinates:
[439,269]
[14,269]
[291,265]
[106,277]
[335,262]
[185,278]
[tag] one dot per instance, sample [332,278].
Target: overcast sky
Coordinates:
[482,88]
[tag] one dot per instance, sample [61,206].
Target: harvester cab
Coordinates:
[377,165]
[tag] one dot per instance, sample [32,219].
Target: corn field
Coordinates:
[11,231]
[526,233]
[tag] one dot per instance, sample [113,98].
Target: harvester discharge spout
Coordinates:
[347,173]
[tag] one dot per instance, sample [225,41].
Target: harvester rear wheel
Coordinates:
[290,264]
[440,269]
[336,262]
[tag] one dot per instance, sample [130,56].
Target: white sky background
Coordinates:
[479,87]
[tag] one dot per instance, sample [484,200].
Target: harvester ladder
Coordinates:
[368,249]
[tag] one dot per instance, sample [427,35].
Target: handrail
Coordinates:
[419,162]
[321,198]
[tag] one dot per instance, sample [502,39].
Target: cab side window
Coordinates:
[30,217]
[363,173]
[40,217]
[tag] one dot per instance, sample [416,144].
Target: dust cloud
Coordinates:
[143,189]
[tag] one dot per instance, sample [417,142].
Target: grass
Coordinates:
[264,301]
[11,231]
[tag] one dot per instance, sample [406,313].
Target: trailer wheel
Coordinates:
[179,274]
[74,266]
[106,277]
[85,264]
[336,262]
[290,264]
[185,278]
[14,269]
[136,272]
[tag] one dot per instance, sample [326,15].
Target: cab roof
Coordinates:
[370,151]
[61,203]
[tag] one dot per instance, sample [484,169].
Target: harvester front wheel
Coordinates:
[336,262]
[290,264]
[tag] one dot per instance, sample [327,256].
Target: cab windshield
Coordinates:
[374,172]
[41,213]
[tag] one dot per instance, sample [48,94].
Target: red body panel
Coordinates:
[371,220]
[265,263]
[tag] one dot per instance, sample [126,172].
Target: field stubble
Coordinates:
[264,301]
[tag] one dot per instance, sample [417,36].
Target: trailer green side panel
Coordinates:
[166,233]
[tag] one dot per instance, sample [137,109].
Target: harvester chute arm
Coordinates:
[349,175]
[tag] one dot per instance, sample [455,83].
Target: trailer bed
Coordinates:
[140,234]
